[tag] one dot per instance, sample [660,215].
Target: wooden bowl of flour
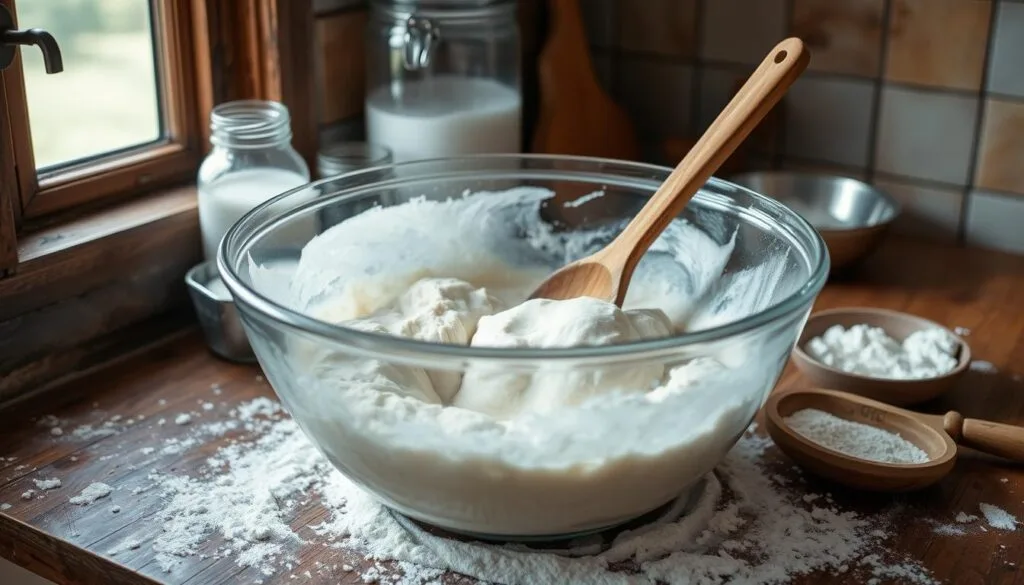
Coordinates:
[898,326]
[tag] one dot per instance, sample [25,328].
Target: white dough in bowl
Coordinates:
[507,446]
[541,323]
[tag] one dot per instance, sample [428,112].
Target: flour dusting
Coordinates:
[742,526]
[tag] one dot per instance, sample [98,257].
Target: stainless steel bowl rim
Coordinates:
[895,208]
[398,347]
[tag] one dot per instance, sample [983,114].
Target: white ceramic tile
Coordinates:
[598,19]
[829,120]
[742,31]
[994,221]
[928,212]
[1006,59]
[926,134]
[657,96]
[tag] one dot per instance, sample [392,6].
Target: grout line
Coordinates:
[918,181]
[827,166]
[876,96]
[1003,97]
[655,57]
[1001,193]
[979,121]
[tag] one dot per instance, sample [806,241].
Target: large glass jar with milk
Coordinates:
[252,160]
[443,77]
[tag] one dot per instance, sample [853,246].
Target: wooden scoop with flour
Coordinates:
[605,275]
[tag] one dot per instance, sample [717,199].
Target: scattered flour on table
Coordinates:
[183,419]
[742,527]
[965,518]
[869,351]
[949,530]
[853,438]
[998,518]
[5,506]
[983,367]
[91,493]
[125,545]
[47,484]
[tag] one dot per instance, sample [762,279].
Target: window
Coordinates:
[119,119]
[108,53]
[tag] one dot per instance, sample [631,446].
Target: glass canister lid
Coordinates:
[421,22]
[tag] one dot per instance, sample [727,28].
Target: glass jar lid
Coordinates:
[420,22]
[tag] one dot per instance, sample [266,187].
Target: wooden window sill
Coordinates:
[84,287]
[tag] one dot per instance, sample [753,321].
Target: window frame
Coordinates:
[171,158]
[116,263]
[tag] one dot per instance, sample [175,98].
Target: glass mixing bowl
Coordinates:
[584,468]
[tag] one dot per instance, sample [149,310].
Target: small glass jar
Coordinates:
[345,157]
[443,78]
[252,160]
[336,160]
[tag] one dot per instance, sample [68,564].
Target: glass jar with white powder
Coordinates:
[252,160]
[443,78]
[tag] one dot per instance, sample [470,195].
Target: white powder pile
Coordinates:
[983,367]
[853,438]
[47,484]
[869,351]
[742,527]
[998,518]
[965,518]
[91,493]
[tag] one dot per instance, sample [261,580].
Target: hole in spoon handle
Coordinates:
[781,56]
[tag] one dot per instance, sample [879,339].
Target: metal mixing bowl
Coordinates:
[565,476]
[851,216]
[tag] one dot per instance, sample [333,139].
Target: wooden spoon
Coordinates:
[605,275]
[936,435]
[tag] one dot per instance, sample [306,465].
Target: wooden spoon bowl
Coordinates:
[938,436]
[852,471]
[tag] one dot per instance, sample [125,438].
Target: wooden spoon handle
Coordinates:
[752,102]
[985,436]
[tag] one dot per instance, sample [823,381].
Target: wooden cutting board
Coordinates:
[576,115]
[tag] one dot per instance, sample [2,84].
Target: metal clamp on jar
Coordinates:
[443,78]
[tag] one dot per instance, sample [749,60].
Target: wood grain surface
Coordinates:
[982,291]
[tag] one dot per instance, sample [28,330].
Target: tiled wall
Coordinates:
[923,97]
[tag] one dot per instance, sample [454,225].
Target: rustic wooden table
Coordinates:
[981,291]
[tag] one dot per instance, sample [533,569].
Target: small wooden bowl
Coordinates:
[851,471]
[897,325]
